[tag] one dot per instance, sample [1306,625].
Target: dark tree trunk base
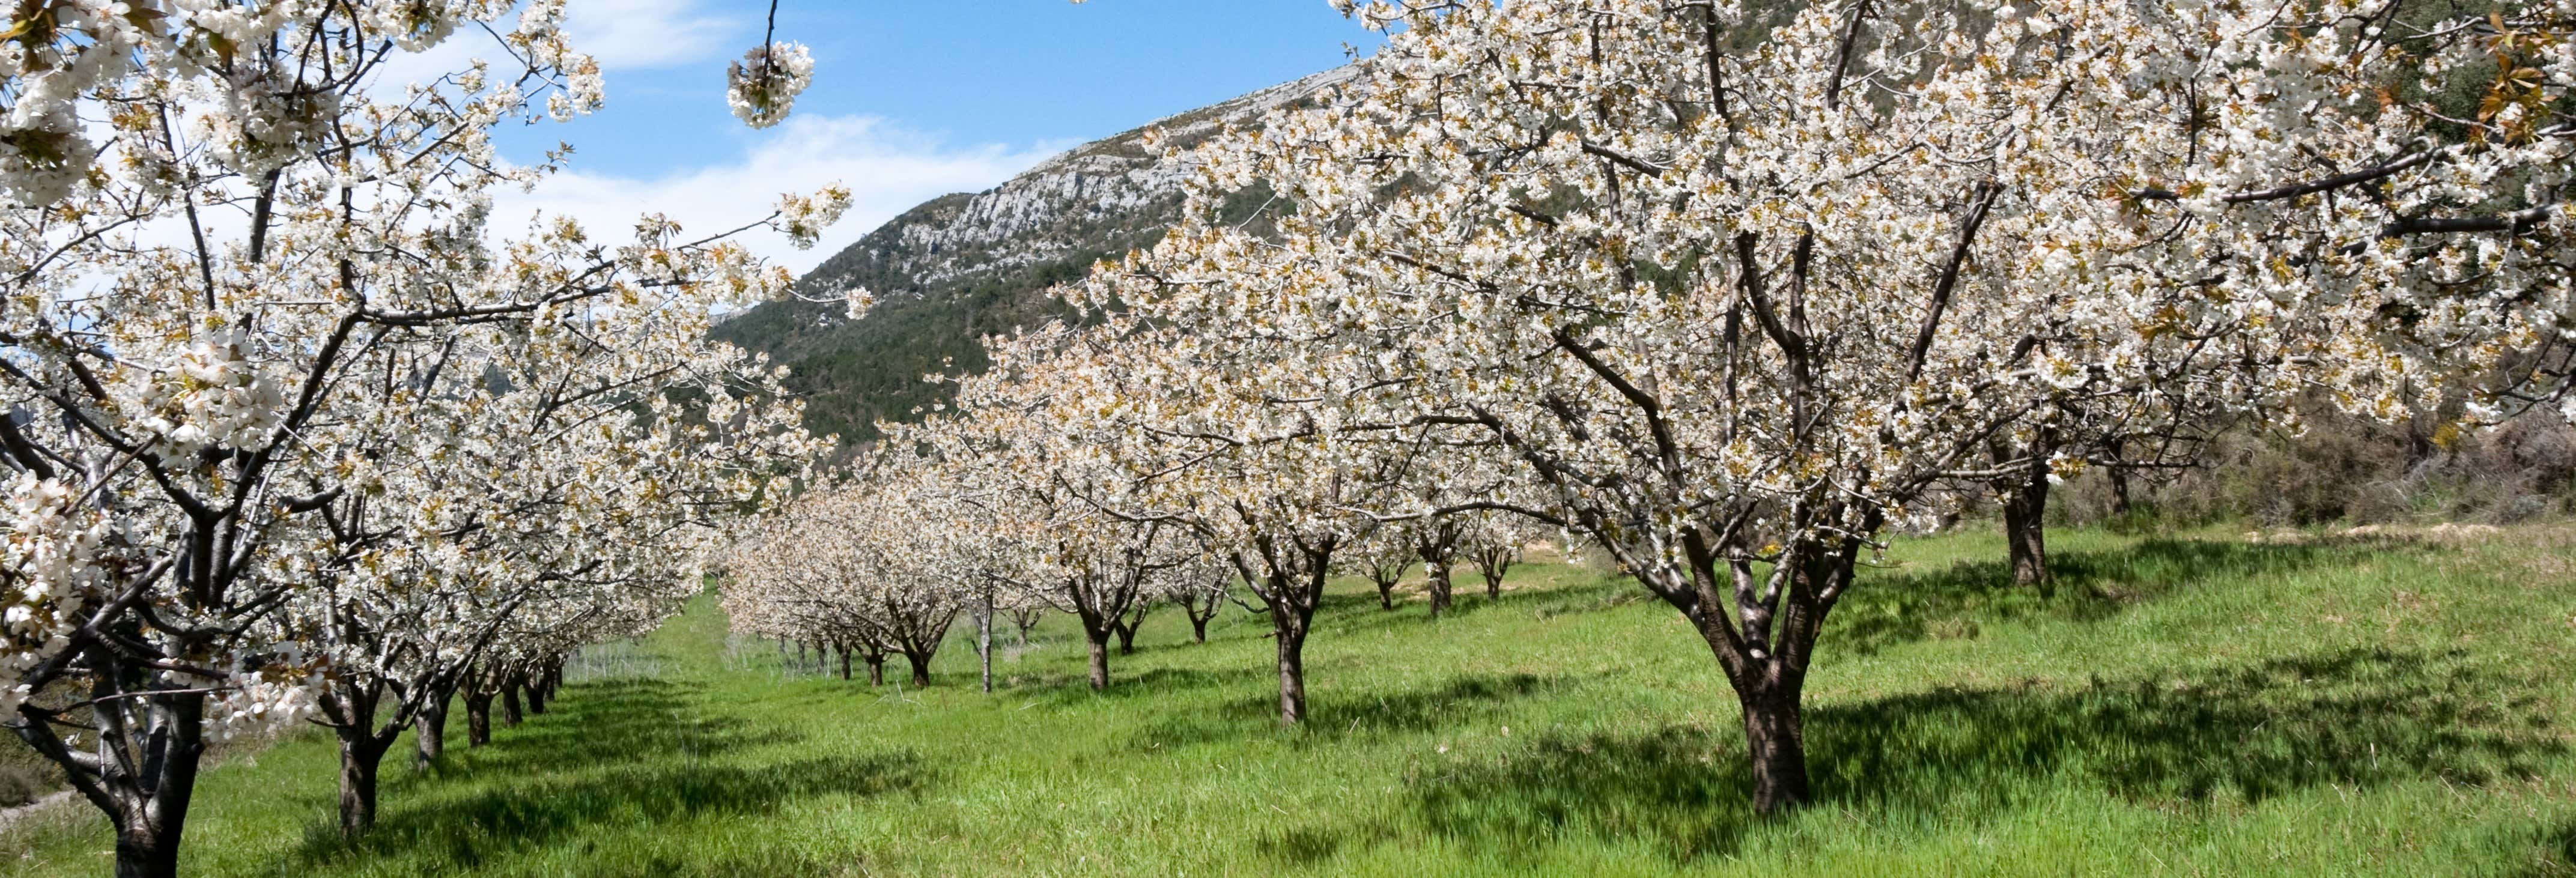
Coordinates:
[429,734]
[1292,677]
[360,758]
[2025,531]
[1099,662]
[478,719]
[1775,741]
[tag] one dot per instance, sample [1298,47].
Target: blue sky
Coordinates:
[911,98]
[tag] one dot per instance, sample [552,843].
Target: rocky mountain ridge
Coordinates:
[964,266]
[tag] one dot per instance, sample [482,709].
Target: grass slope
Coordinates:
[2183,706]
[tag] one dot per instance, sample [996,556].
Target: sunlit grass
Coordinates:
[2190,705]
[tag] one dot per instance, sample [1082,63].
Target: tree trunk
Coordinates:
[2024,513]
[876,669]
[148,831]
[984,640]
[478,717]
[2119,489]
[1292,673]
[429,731]
[1198,628]
[361,753]
[511,716]
[1126,632]
[845,662]
[145,851]
[1099,660]
[1775,739]
[1385,594]
[1439,587]
[536,698]
[920,660]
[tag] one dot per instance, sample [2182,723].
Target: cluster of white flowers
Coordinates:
[764,84]
[52,549]
[262,701]
[804,217]
[213,396]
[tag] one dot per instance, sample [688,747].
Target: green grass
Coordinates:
[2197,705]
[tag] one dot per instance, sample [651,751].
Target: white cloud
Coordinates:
[619,34]
[634,34]
[889,170]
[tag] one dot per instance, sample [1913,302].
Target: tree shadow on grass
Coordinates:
[1345,614]
[486,826]
[620,751]
[1461,699]
[1147,684]
[617,721]
[1955,602]
[2355,718]
[2553,854]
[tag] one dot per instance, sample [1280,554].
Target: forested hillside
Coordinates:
[963,266]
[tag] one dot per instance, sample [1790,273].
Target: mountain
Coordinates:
[961,267]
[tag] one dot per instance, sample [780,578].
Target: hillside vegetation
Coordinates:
[2300,703]
[965,266]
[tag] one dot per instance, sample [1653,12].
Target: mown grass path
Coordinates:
[2181,706]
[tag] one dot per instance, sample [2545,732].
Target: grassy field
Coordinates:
[2197,704]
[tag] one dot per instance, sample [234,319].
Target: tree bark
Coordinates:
[146,849]
[536,694]
[876,669]
[920,661]
[511,715]
[2025,512]
[1202,608]
[478,717]
[1293,596]
[429,731]
[1099,660]
[1385,592]
[1775,740]
[1438,549]
[149,825]
[361,754]
[845,662]
[1764,646]
[1126,632]
[984,640]
[1493,565]
[1292,673]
